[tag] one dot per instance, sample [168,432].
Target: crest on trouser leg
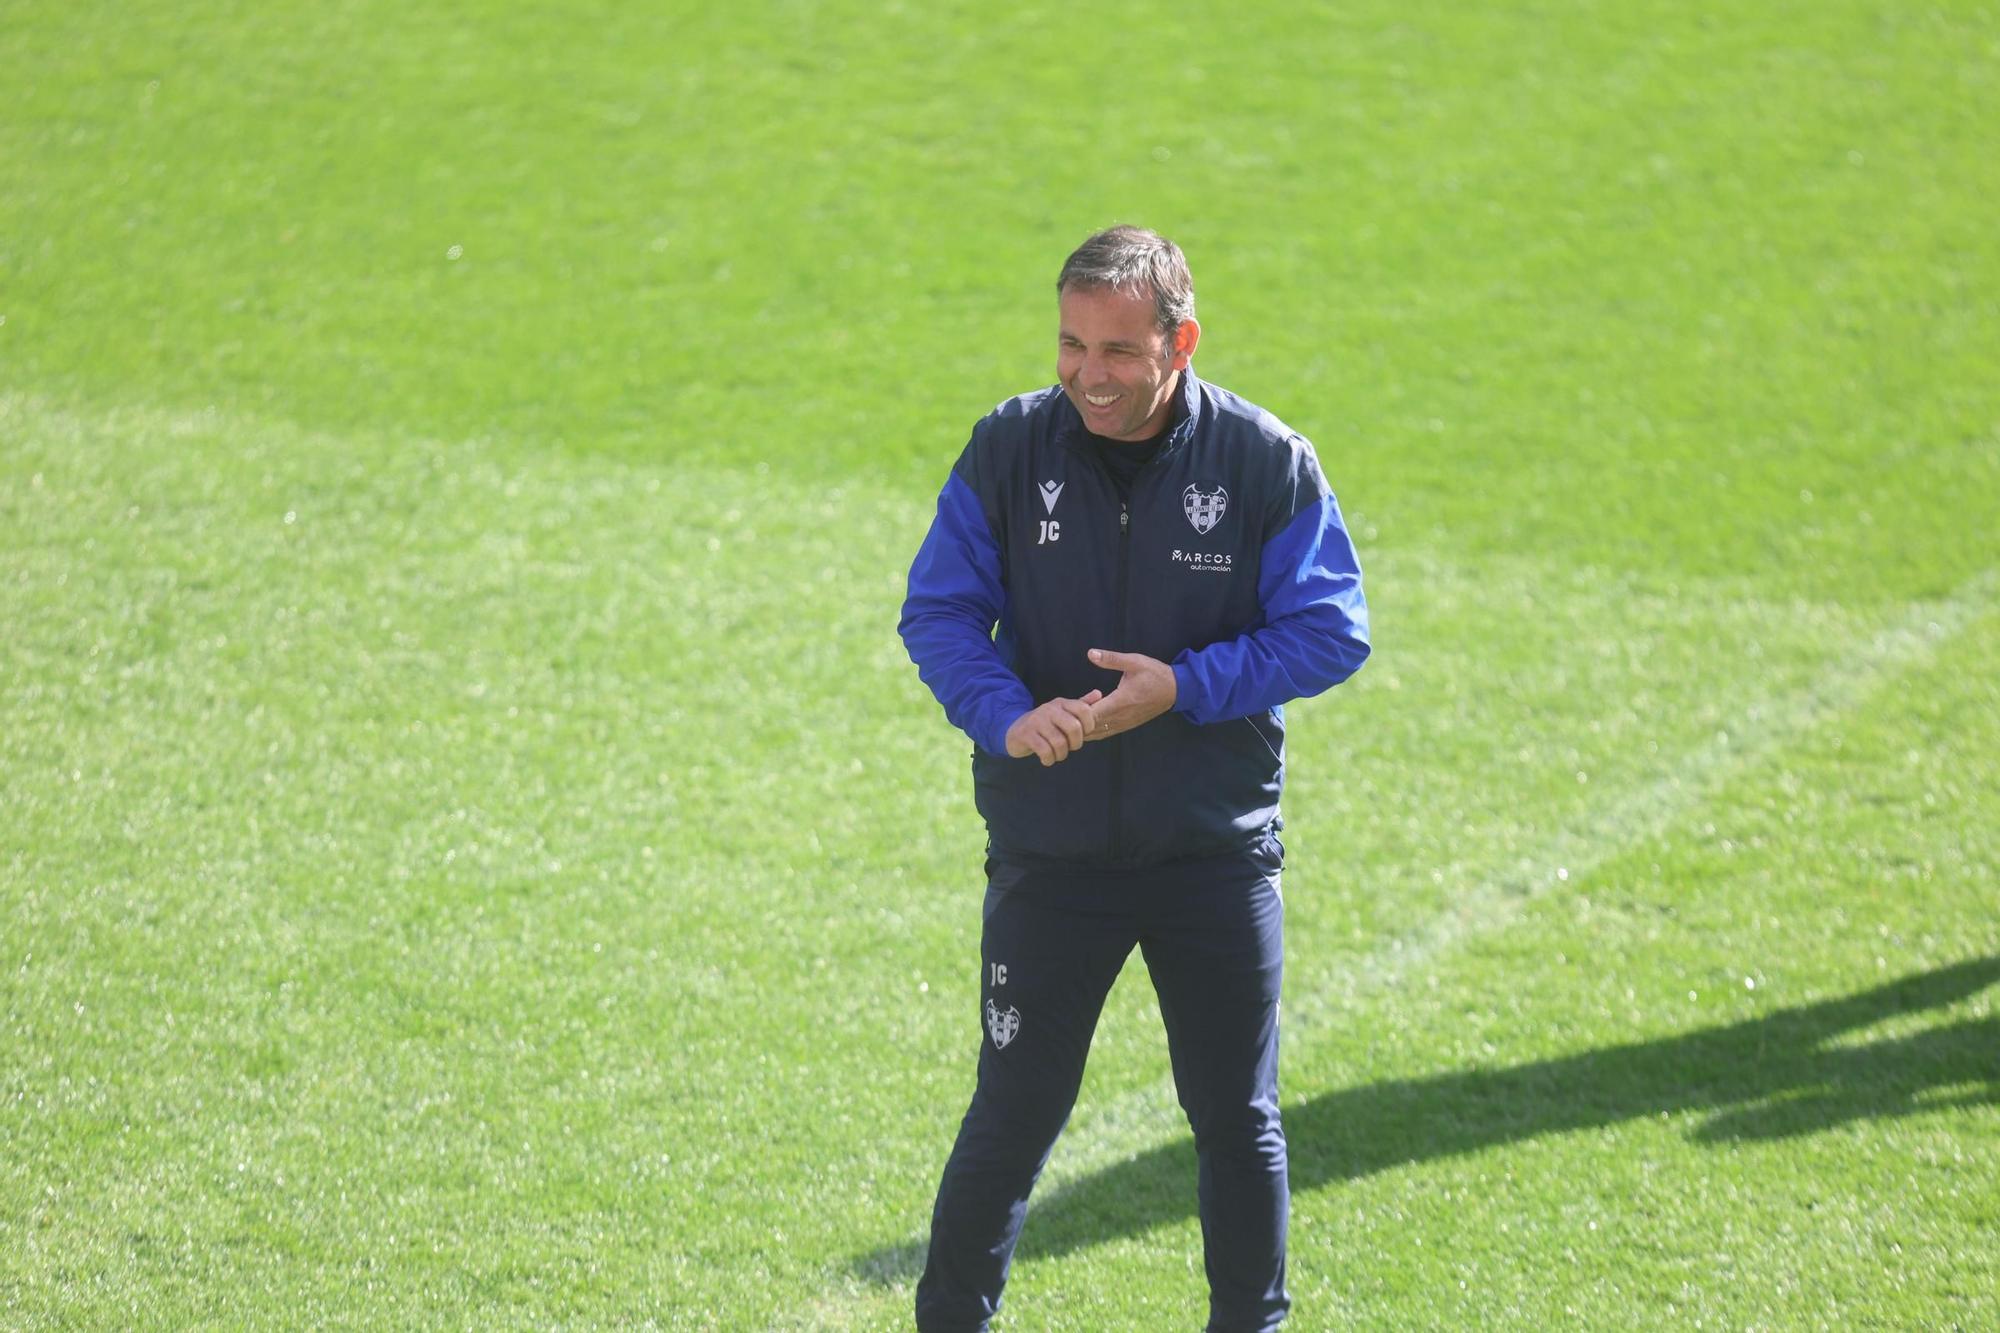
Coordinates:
[1001,1026]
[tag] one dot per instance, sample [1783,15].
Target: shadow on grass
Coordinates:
[1778,1076]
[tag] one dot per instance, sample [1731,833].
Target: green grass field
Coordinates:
[473,852]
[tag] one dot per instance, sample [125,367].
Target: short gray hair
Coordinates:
[1138,262]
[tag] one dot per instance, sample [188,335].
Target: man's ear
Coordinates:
[1185,337]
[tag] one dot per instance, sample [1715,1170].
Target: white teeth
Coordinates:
[1095,401]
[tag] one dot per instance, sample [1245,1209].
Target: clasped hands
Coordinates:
[1057,729]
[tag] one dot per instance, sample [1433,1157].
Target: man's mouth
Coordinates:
[1095,401]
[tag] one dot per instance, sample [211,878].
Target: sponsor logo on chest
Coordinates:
[1205,562]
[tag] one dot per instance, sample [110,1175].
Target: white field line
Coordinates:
[1121,1127]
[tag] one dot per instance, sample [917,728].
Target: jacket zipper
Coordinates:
[1118,619]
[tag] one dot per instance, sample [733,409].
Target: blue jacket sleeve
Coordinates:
[1315,630]
[954,600]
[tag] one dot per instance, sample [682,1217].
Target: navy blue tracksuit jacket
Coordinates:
[1229,560]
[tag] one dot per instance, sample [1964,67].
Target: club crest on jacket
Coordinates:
[1204,509]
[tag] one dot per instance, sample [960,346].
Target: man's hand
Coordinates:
[1054,730]
[1146,690]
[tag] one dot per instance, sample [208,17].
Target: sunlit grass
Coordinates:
[474,854]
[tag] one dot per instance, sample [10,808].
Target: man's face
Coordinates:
[1114,363]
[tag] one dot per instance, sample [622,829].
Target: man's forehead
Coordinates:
[1113,314]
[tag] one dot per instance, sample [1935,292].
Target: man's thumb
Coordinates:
[1104,657]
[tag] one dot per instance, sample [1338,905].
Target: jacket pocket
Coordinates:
[1269,731]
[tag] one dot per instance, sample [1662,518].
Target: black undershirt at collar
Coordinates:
[1124,458]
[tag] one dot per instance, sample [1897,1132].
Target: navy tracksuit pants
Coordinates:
[1053,941]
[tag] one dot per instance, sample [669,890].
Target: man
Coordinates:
[1166,567]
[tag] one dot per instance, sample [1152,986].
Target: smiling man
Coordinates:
[1130,573]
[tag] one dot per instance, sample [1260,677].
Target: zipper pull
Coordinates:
[1124,518]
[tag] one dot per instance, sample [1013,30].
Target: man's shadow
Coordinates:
[1773,1077]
